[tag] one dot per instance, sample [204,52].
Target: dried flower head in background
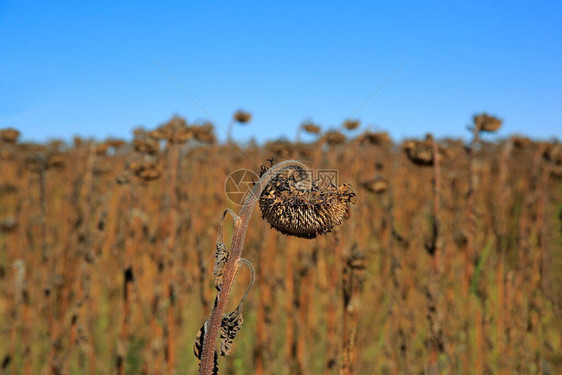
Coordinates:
[174,131]
[36,163]
[101,148]
[378,185]
[116,143]
[295,206]
[9,135]
[419,152]
[311,128]
[377,139]
[351,124]
[55,160]
[520,142]
[334,138]
[146,169]
[203,133]
[552,152]
[242,117]
[487,123]
[146,145]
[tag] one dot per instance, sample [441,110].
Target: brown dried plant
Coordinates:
[239,117]
[377,185]
[279,197]
[352,280]
[242,117]
[419,152]
[374,138]
[311,128]
[174,131]
[203,133]
[295,209]
[334,138]
[146,145]
[115,274]
[487,123]
[351,124]
[9,135]
[308,127]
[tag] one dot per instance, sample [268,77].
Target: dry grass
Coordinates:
[106,267]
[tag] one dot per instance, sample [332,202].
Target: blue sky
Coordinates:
[69,68]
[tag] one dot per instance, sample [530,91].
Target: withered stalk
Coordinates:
[232,264]
[470,235]
[436,206]
[501,234]
[470,215]
[351,287]
[302,304]
[433,292]
[173,166]
[332,342]
[290,344]
[84,208]
[128,279]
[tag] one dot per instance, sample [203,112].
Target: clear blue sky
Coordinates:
[86,69]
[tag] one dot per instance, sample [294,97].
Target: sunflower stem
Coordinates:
[233,263]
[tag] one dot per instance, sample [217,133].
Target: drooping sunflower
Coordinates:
[296,205]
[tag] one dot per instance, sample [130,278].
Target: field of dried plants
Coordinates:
[450,260]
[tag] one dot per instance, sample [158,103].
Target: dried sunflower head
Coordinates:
[203,133]
[311,128]
[377,139]
[9,135]
[351,124]
[487,123]
[101,148]
[334,138]
[296,206]
[116,143]
[378,185]
[146,145]
[520,141]
[174,131]
[146,168]
[419,152]
[242,117]
[55,160]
